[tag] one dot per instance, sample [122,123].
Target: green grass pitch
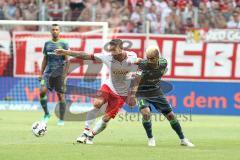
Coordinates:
[215,137]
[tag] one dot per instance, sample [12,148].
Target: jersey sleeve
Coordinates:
[66,46]
[101,57]
[132,58]
[141,66]
[44,49]
[163,65]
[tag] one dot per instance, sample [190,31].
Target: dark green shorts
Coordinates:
[55,83]
[159,103]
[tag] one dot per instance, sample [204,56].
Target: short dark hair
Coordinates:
[55,25]
[116,42]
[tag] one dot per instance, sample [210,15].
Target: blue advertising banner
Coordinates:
[218,98]
[214,98]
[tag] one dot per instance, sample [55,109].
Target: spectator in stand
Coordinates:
[189,11]
[227,8]
[171,16]
[10,10]
[115,18]
[126,12]
[18,16]
[196,3]
[55,10]
[173,22]
[204,17]
[237,3]
[126,26]
[120,6]
[156,26]
[137,18]
[2,4]
[23,4]
[86,15]
[29,9]
[235,22]
[165,11]
[131,4]
[103,10]
[90,3]
[160,4]
[76,7]
[183,14]
[182,11]
[217,18]
[152,18]
[189,25]
[203,7]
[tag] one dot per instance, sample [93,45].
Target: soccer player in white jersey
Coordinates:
[114,91]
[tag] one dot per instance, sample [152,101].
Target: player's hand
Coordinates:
[40,78]
[61,52]
[131,101]
[139,60]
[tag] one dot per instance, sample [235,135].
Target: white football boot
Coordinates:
[82,138]
[186,142]
[89,140]
[151,142]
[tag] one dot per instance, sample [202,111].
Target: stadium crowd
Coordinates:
[129,16]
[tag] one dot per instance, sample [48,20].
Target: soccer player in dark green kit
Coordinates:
[146,87]
[53,73]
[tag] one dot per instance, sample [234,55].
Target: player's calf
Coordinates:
[43,102]
[147,125]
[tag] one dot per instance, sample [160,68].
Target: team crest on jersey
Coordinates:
[59,47]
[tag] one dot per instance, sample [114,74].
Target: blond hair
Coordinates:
[152,50]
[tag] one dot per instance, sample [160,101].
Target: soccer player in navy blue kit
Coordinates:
[53,73]
[146,87]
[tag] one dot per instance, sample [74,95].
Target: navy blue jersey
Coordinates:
[149,85]
[54,61]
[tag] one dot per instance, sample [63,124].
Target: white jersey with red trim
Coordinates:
[120,72]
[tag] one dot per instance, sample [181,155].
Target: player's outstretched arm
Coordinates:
[76,54]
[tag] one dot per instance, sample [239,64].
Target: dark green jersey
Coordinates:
[54,61]
[149,85]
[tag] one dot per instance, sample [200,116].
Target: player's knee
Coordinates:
[106,118]
[147,117]
[42,94]
[61,97]
[146,114]
[170,116]
[98,103]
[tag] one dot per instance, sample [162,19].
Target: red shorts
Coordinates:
[115,102]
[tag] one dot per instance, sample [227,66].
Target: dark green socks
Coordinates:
[43,101]
[177,128]
[62,108]
[147,124]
